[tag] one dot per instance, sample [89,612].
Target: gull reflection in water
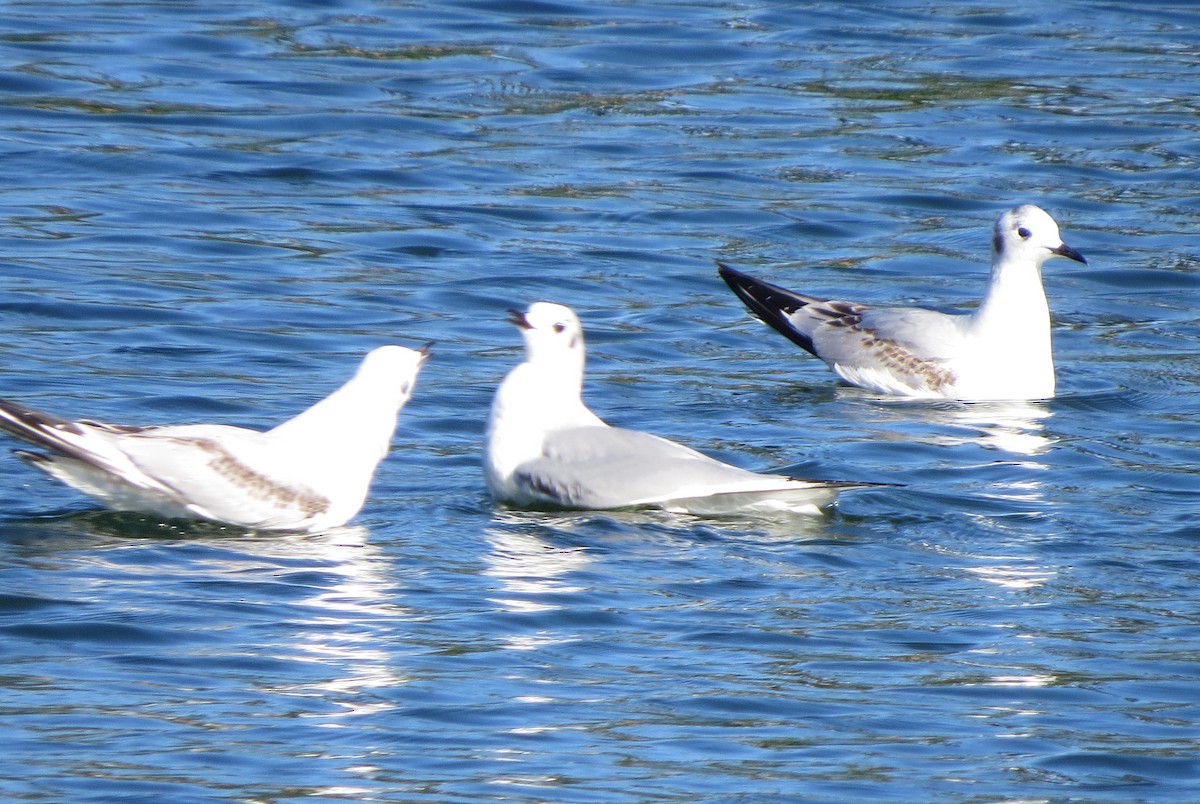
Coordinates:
[1016,427]
[996,474]
[532,571]
[994,442]
[339,626]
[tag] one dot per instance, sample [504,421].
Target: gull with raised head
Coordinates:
[1001,350]
[546,448]
[310,473]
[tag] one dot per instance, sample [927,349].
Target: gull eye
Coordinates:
[1024,233]
[559,328]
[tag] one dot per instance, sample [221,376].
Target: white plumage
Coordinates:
[310,473]
[1001,350]
[545,447]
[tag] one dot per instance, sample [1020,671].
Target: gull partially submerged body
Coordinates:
[310,473]
[546,448]
[1001,350]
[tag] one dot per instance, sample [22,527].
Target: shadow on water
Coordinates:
[92,527]
[600,529]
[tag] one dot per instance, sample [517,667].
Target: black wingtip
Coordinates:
[20,421]
[42,430]
[770,303]
[32,458]
[733,277]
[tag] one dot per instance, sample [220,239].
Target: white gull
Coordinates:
[1001,350]
[546,448]
[310,473]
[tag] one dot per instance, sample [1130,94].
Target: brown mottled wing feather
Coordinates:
[250,483]
[911,344]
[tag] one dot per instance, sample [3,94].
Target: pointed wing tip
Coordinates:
[33,458]
[771,304]
[737,280]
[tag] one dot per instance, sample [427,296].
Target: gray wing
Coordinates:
[891,349]
[609,467]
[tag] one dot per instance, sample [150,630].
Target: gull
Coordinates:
[310,473]
[1000,351]
[546,448]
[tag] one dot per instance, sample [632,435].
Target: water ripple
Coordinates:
[214,210]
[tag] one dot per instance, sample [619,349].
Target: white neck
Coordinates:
[532,401]
[1015,300]
[1011,331]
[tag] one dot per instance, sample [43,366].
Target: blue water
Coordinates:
[211,210]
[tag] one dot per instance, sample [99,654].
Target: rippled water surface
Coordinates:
[211,210]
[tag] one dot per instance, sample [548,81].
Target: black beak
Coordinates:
[517,318]
[424,350]
[1066,251]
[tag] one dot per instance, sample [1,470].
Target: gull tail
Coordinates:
[770,303]
[40,429]
[61,438]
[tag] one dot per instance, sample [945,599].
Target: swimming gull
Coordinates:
[310,473]
[1001,350]
[546,448]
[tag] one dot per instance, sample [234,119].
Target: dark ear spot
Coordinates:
[574,341]
[997,242]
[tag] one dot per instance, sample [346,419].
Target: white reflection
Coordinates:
[1016,427]
[1011,577]
[319,604]
[1030,680]
[531,570]
[341,625]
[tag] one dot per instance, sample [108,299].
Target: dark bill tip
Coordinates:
[517,318]
[1066,251]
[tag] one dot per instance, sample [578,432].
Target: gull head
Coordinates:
[393,369]
[552,334]
[1028,234]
